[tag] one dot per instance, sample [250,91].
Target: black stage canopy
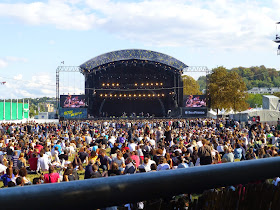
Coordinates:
[133,83]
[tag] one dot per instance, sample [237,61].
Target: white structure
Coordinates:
[271,102]
[263,90]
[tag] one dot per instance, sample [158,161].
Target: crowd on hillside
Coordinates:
[57,152]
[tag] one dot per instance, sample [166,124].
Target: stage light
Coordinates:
[139,95]
[158,95]
[142,84]
[156,83]
[136,84]
[147,84]
[129,95]
[111,95]
[144,95]
[108,84]
[115,95]
[134,95]
[161,83]
[113,84]
[149,95]
[120,95]
[154,95]
[106,95]
[152,84]
[101,95]
[118,84]
[103,84]
[124,95]
[162,95]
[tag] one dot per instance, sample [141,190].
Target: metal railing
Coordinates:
[117,190]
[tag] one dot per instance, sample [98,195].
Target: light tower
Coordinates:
[277,40]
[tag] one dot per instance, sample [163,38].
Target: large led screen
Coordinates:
[72,101]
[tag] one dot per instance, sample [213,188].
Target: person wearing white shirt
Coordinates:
[43,162]
[132,146]
[163,165]
[88,139]
[147,164]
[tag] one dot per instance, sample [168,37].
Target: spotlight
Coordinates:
[136,84]
[101,95]
[139,95]
[113,84]
[134,95]
[108,84]
[118,84]
[106,95]
[154,95]
[120,95]
[156,83]
[124,95]
[111,95]
[144,95]
[129,95]
[161,83]
[152,84]
[158,95]
[149,95]
[103,84]
[142,84]
[147,84]
[162,95]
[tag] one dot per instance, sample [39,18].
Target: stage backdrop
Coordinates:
[72,101]
[73,113]
[194,106]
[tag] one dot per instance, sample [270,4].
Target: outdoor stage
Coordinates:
[129,84]
[133,83]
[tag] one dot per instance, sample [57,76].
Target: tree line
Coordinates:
[228,87]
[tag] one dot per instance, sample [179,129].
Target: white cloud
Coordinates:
[214,24]
[4,62]
[39,85]
[18,77]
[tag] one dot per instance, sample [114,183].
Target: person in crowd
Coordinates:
[52,176]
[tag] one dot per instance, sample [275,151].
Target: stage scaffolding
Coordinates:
[78,69]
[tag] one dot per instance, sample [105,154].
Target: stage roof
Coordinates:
[122,55]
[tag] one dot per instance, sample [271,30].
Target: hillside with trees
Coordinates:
[255,76]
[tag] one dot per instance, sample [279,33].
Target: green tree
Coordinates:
[227,90]
[32,110]
[42,108]
[191,86]
[202,83]
[254,100]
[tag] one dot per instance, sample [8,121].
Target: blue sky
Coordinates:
[36,36]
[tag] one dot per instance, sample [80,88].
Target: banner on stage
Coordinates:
[73,113]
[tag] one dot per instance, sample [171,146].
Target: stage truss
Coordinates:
[78,69]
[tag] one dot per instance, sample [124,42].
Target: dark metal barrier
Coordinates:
[117,190]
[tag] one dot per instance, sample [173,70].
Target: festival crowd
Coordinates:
[57,152]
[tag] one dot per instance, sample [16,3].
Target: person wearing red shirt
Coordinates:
[51,177]
[38,147]
[33,162]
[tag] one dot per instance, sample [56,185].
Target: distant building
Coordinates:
[263,90]
[45,115]
[48,107]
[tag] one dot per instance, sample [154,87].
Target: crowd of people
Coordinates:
[62,152]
